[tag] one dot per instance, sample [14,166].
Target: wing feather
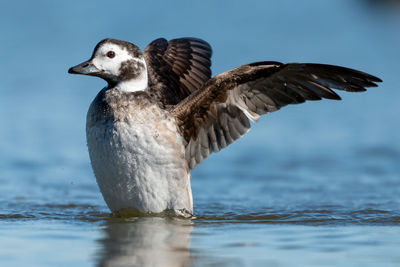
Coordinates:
[176,68]
[219,113]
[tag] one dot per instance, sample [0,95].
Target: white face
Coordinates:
[109,58]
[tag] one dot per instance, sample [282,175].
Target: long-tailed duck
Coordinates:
[161,114]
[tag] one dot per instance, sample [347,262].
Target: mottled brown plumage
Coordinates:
[217,114]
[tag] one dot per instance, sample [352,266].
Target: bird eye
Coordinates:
[110,54]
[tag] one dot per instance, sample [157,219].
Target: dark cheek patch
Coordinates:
[130,69]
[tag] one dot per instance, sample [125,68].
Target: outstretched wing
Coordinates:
[217,114]
[178,67]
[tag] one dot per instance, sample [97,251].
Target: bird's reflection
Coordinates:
[145,242]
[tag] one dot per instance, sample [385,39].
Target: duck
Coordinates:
[161,114]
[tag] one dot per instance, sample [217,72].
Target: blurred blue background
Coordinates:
[327,162]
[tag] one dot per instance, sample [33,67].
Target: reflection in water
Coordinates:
[145,242]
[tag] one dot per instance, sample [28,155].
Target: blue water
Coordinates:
[316,184]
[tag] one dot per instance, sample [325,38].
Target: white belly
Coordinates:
[140,166]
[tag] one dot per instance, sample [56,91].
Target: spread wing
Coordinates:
[178,67]
[217,114]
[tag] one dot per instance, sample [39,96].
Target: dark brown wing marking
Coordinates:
[216,115]
[178,67]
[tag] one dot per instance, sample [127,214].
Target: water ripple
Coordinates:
[308,217]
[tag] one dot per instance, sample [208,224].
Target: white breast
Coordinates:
[139,163]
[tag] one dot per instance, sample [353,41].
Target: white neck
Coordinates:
[140,83]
